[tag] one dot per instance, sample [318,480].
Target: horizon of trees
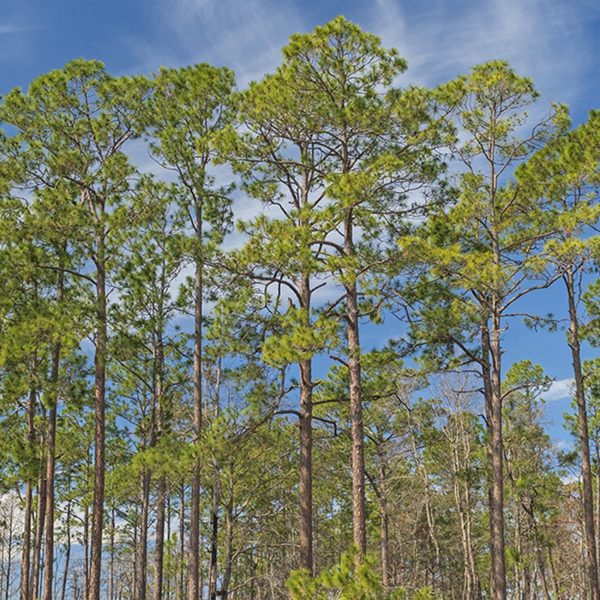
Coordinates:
[184,415]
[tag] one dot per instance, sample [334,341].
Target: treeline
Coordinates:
[189,412]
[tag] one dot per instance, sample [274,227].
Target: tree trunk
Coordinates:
[26,550]
[51,453]
[7,591]
[194,546]
[142,556]
[228,561]
[111,565]
[539,556]
[214,538]
[306,500]
[160,538]
[134,555]
[359,526]
[597,469]
[429,515]
[496,453]
[182,542]
[169,516]
[584,442]
[463,509]
[100,418]
[39,538]
[384,525]
[86,553]
[67,551]
[161,412]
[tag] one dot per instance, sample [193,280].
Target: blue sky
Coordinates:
[555,42]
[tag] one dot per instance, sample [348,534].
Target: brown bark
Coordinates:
[161,412]
[182,577]
[160,538]
[134,556]
[51,456]
[99,417]
[34,586]
[306,442]
[306,502]
[86,552]
[27,519]
[492,368]
[496,453]
[597,469]
[168,526]
[356,410]
[142,549]
[214,538]
[194,544]
[584,442]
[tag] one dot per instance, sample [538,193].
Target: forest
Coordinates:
[255,343]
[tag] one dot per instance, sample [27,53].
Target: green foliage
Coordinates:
[353,578]
[442,205]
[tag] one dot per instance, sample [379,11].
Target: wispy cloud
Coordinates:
[246,36]
[540,38]
[560,389]
[8,29]
[545,39]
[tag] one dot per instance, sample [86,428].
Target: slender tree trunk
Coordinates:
[142,557]
[67,551]
[51,452]
[597,469]
[359,526]
[2,572]
[168,525]
[194,545]
[468,513]
[161,411]
[584,442]
[228,561]
[7,591]
[39,537]
[539,555]
[468,587]
[111,564]
[496,498]
[182,542]
[27,519]
[555,582]
[430,517]
[214,538]
[86,553]
[160,538]
[134,556]
[305,425]
[100,418]
[384,525]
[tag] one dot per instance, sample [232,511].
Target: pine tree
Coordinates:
[188,109]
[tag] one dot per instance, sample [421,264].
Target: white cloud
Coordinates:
[540,38]
[560,389]
[246,36]
[545,39]
[6,29]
